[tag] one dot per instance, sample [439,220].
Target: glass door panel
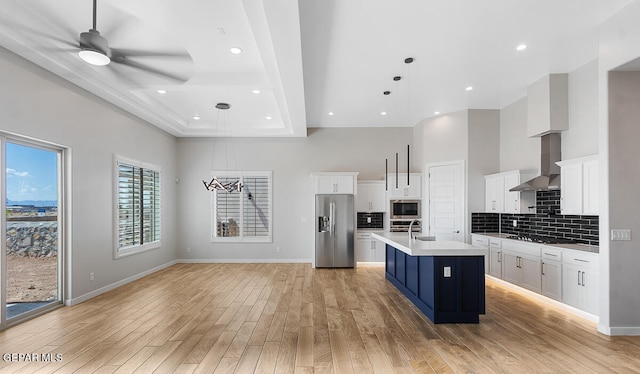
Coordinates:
[32,242]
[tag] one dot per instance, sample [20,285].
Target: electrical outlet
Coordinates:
[277,249]
[188,249]
[91,276]
[447,271]
[515,223]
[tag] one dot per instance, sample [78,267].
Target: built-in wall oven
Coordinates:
[405,209]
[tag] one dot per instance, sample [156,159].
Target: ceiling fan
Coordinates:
[95,50]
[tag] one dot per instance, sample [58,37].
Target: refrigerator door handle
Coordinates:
[332,219]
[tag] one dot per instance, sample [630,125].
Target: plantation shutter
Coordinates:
[256,206]
[227,211]
[245,215]
[128,205]
[138,205]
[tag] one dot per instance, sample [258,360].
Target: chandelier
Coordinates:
[216,184]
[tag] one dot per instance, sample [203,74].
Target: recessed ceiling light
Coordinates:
[162,92]
[255,91]
[196,117]
[436,113]
[235,50]
[268,117]
[521,47]
[383,113]
[330,113]
[469,88]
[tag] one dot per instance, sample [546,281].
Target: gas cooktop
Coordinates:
[540,239]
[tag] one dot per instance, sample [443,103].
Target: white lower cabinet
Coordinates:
[495,257]
[481,241]
[521,265]
[566,275]
[580,281]
[369,250]
[552,273]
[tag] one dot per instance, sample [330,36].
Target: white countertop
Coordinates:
[401,241]
[575,247]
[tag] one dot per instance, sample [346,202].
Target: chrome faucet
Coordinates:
[411,229]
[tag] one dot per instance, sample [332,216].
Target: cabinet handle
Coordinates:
[550,254]
[542,267]
[500,256]
[583,285]
[581,260]
[579,278]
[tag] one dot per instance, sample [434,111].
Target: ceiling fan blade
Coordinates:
[146,68]
[168,54]
[68,37]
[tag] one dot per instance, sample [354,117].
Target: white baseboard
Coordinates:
[619,331]
[117,284]
[241,261]
[544,299]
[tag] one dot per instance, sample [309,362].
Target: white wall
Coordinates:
[581,139]
[37,104]
[292,162]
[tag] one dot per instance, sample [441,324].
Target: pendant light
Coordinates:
[216,184]
[397,79]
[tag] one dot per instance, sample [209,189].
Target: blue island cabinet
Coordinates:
[448,289]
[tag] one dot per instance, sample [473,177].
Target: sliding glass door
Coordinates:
[32,236]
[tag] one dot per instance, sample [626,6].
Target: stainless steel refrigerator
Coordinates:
[335,225]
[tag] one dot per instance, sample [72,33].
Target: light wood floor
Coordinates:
[290,318]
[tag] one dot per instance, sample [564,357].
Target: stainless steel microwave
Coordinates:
[405,209]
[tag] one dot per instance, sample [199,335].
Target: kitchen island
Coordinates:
[444,279]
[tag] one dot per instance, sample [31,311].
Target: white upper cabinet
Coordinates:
[334,183]
[406,189]
[494,193]
[579,186]
[547,105]
[498,198]
[371,197]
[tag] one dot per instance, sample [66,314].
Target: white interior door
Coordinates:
[446,200]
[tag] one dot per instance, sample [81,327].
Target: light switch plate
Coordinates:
[620,234]
[447,271]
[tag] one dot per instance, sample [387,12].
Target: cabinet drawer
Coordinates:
[481,241]
[363,235]
[550,253]
[581,258]
[522,248]
[495,243]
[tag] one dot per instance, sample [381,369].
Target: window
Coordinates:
[138,208]
[243,216]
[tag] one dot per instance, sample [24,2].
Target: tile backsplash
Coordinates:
[546,222]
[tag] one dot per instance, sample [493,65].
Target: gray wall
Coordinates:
[292,162]
[517,151]
[581,139]
[470,135]
[37,104]
[624,195]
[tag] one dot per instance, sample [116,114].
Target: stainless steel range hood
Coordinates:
[549,178]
